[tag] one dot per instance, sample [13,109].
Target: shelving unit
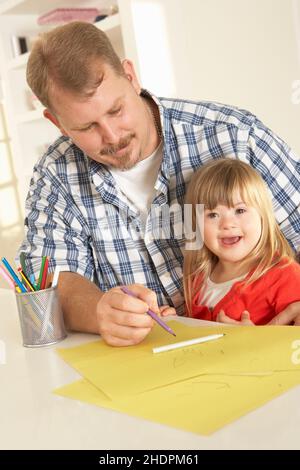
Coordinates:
[29,131]
[36,7]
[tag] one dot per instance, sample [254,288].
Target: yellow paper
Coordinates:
[199,388]
[122,372]
[200,405]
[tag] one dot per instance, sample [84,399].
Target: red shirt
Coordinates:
[263,298]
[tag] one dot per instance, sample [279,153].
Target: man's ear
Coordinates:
[131,75]
[48,115]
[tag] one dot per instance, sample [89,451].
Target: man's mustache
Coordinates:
[112,149]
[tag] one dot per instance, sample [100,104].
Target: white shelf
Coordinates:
[109,23]
[38,7]
[30,116]
[18,62]
[7,6]
[106,25]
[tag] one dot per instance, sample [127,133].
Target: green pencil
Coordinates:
[41,273]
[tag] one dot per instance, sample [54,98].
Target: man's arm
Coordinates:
[119,318]
[289,316]
[79,298]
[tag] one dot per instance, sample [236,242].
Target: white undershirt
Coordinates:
[213,292]
[137,184]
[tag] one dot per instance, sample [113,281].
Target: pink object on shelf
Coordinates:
[63,15]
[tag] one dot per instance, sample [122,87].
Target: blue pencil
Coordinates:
[13,275]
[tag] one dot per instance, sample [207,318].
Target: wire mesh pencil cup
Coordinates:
[41,317]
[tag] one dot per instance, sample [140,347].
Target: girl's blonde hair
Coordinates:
[216,183]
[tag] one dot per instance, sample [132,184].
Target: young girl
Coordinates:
[245,272]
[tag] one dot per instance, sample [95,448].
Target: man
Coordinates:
[124,151]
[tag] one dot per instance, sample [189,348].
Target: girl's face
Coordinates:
[231,233]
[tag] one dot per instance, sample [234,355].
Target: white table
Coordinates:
[34,418]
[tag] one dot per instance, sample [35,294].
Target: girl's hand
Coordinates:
[245,319]
[166,310]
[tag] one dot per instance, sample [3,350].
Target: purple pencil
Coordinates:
[150,312]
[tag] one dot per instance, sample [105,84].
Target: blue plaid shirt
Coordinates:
[76,215]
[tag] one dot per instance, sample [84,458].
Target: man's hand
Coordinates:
[121,318]
[245,319]
[288,316]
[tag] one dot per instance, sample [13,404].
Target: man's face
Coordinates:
[112,126]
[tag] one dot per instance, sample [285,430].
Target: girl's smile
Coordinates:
[229,241]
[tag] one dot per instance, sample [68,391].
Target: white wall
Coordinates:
[241,52]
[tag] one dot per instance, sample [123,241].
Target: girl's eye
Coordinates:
[212,215]
[240,210]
